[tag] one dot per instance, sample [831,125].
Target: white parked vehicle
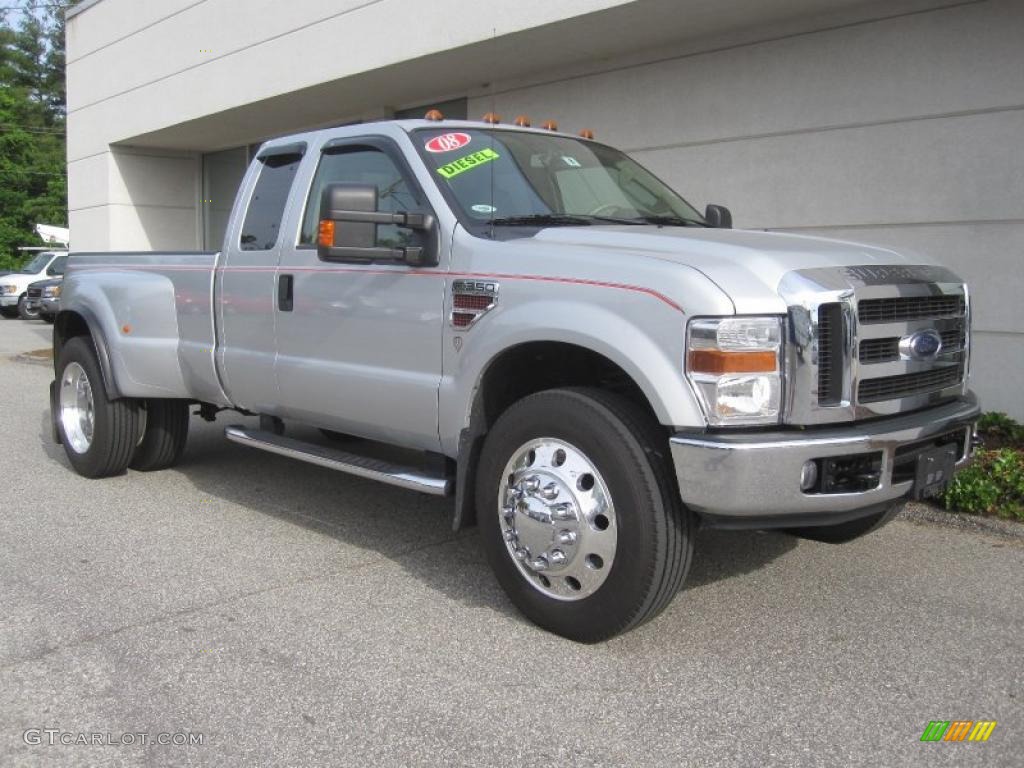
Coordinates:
[14,286]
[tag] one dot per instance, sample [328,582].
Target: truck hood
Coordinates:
[746,264]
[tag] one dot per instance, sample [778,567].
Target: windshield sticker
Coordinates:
[447,142]
[572,162]
[463,164]
[482,208]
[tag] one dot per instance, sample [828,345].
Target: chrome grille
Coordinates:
[909,308]
[855,347]
[888,349]
[907,384]
[35,293]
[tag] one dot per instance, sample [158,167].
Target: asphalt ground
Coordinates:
[295,616]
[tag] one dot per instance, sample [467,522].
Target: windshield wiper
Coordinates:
[671,221]
[543,220]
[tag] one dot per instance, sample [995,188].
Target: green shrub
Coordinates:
[1000,430]
[993,484]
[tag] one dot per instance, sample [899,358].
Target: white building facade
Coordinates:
[898,123]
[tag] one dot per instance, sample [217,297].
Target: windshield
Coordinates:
[35,266]
[513,177]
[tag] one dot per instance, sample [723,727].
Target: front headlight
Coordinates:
[49,293]
[8,289]
[735,366]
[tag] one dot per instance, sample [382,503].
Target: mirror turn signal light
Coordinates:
[434,114]
[325,237]
[717,362]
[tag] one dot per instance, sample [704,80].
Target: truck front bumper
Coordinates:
[753,480]
[9,300]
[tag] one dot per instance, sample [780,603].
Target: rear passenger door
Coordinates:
[359,349]
[246,300]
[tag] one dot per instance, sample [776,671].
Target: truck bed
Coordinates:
[164,334]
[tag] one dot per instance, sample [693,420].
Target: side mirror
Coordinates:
[348,228]
[718,216]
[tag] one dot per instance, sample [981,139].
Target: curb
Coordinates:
[924,514]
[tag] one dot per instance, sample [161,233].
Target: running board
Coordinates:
[361,466]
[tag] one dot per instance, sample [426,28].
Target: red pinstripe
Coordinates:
[357,270]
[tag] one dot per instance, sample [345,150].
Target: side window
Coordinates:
[266,208]
[57,266]
[363,165]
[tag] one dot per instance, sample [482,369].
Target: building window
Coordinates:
[222,176]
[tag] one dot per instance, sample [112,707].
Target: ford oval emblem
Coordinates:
[923,345]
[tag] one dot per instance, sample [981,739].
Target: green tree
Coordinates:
[33,178]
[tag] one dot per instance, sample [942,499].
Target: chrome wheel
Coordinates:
[77,409]
[557,519]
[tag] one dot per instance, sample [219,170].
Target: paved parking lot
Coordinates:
[295,616]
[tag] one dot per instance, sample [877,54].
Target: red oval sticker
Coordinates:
[446,142]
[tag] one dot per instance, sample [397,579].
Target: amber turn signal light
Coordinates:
[717,362]
[326,235]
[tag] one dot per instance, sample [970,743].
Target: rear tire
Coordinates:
[165,435]
[99,434]
[24,312]
[616,482]
[850,530]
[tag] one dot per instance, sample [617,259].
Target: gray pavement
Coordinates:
[295,616]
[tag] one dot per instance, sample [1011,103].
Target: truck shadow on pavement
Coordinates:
[384,523]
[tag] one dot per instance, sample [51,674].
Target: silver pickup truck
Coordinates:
[589,365]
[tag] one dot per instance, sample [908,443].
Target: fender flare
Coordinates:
[99,343]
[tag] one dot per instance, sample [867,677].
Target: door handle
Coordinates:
[286,292]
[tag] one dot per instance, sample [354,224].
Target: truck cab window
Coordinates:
[363,165]
[263,219]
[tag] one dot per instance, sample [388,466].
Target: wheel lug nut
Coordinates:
[550,491]
[563,512]
[539,564]
[566,537]
[531,484]
[557,557]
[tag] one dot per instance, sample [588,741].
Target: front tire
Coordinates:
[99,434]
[165,435]
[24,312]
[579,513]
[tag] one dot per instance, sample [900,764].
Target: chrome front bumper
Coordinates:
[9,300]
[751,476]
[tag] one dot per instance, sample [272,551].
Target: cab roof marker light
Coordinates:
[586,133]
[522,121]
[492,118]
[434,114]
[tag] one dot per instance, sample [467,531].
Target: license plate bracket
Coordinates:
[935,469]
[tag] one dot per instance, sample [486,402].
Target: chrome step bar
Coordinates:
[361,466]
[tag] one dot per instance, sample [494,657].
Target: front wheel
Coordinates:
[25,312]
[99,434]
[579,513]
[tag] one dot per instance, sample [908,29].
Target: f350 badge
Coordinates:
[471,300]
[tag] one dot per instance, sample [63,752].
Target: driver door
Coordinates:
[359,344]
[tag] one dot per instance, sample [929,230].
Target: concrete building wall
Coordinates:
[895,122]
